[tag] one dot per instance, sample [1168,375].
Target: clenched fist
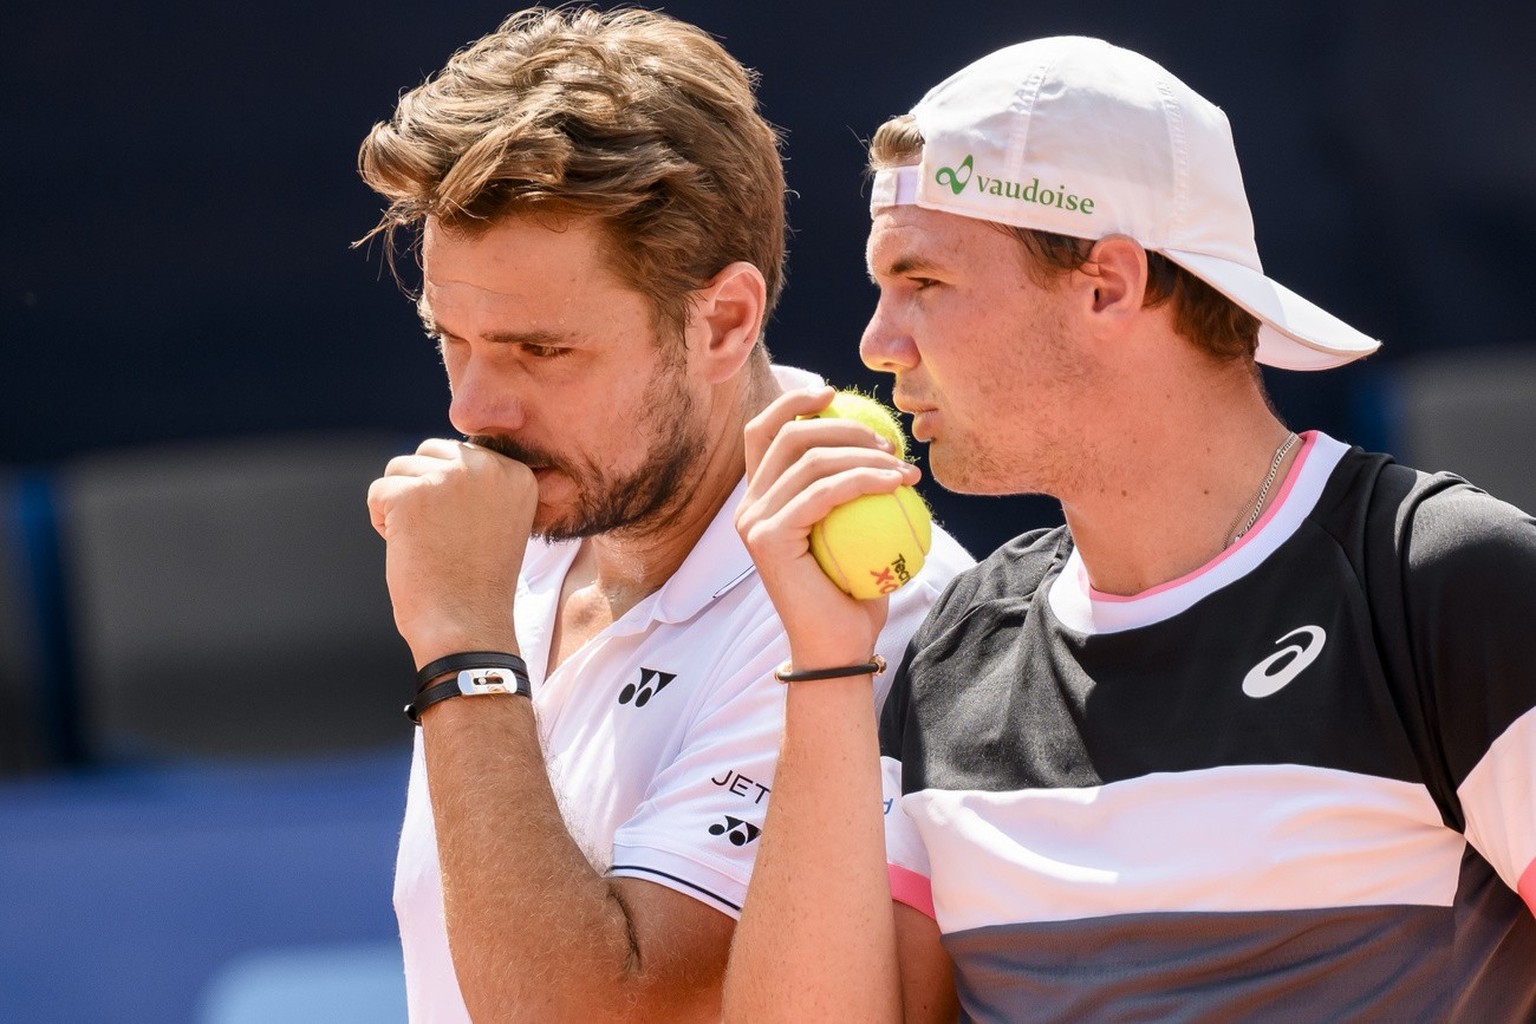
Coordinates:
[455,518]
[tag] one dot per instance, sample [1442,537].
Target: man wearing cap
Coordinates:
[1251,736]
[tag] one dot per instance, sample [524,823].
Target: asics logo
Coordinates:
[1275,672]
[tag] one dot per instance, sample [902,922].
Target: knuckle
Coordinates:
[758,425]
[755,536]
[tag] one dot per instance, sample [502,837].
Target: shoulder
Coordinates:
[1012,570]
[1448,524]
[1466,565]
[946,559]
[1011,573]
[1468,568]
[1462,565]
[970,619]
[1424,529]
[1448,535]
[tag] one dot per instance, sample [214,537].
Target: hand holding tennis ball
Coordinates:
[873,544]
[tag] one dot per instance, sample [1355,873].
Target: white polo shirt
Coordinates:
[661,733]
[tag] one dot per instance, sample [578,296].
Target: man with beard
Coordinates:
[600,214]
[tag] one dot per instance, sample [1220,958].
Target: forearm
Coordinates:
[536,933]
[816,939]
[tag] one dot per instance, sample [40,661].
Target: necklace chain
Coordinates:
[1269,481]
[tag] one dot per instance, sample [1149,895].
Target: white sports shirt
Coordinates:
[661,733]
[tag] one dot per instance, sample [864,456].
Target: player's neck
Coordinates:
[627,565]
[1172,496]
[614,572]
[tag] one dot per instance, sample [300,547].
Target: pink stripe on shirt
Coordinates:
[1291,477]
[1527,886]
[911,888]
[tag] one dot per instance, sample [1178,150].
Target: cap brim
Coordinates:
[1295,334]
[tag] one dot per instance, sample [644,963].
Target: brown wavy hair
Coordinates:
[1200,313]
[631,117]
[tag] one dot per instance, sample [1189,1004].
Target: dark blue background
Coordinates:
[181,192]
[180,195]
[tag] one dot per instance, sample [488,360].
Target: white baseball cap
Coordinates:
[1075,136]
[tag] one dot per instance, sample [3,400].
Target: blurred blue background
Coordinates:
[202,761]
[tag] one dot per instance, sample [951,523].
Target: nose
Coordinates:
[887,345]
[485,397]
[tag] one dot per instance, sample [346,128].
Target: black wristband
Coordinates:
[471,659]
[477,673]
[785,674]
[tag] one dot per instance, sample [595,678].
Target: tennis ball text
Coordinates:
[887,580]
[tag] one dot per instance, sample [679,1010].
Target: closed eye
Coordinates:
[915,284]
[534,349]
[538,351]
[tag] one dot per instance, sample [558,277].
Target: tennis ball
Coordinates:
[873,544]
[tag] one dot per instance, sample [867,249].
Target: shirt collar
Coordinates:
[718,563]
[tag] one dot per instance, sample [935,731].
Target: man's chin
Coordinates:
[554,524]
[958,475]
[553,519]
[552,527]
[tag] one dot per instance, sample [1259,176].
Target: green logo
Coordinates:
[1059,197]
[948,176]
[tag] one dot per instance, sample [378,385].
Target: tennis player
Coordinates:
[1252,736]
[599,208]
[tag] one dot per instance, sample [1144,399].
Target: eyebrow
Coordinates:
[906,265]
[551,338]
[432,327]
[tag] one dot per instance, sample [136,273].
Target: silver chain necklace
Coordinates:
[1269,481]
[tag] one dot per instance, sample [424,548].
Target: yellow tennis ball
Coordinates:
[850,405]
[873,544]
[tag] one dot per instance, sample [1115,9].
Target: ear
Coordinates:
[1115,280]
[725,318]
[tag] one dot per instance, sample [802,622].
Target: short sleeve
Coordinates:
[911,604]
[697,830]
[906,858]
[1470,581]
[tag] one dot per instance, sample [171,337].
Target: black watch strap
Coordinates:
[432,670]
[475,673]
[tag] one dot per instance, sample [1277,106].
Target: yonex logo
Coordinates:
[1275,672]
[652,682]
[739,832]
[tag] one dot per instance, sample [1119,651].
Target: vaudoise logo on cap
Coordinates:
[956,179]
